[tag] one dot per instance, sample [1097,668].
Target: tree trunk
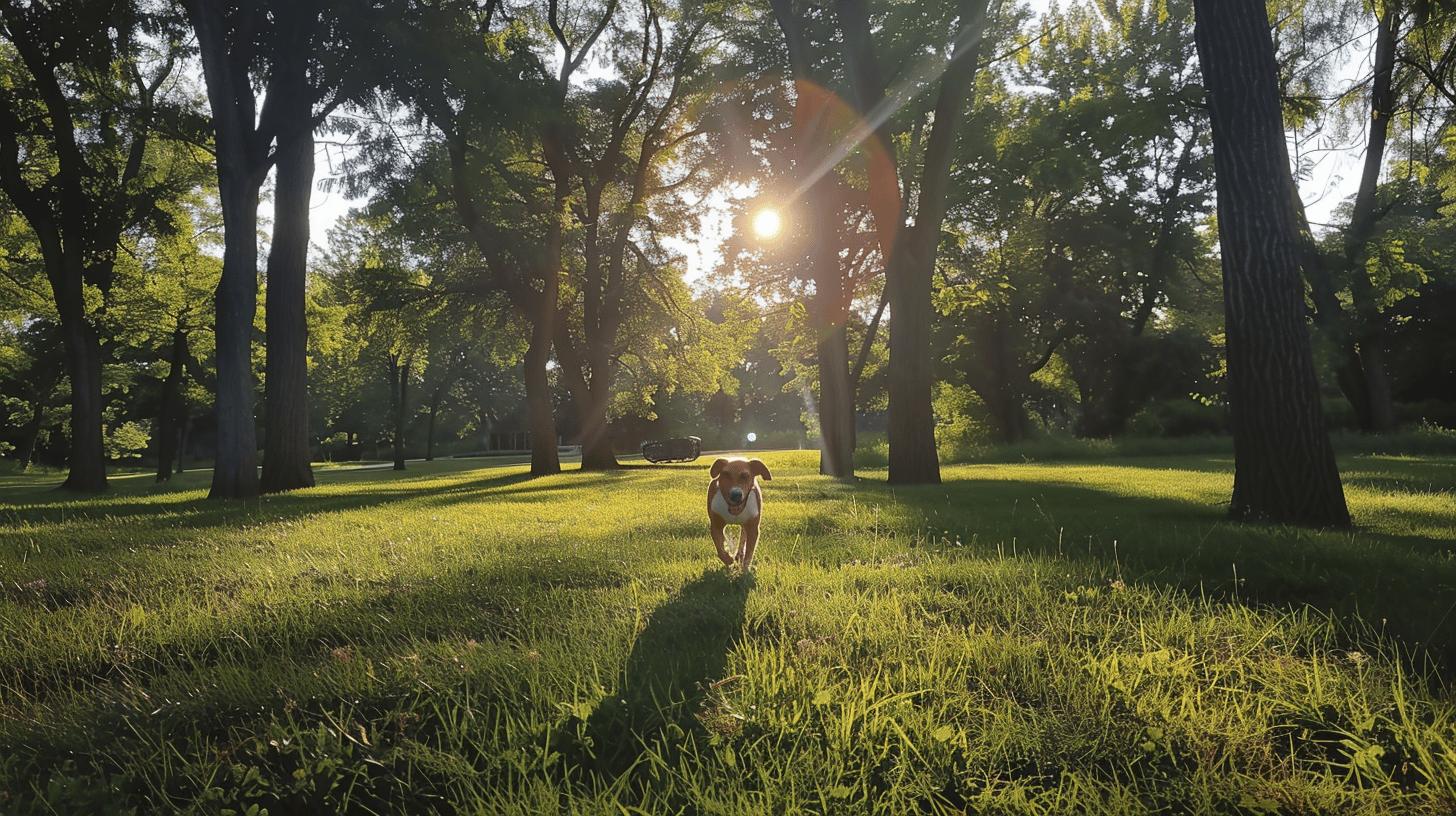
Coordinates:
[912,377]
[32,435]
[1284,466]
[592,397]
[241,168]
[83,364]
[1331,319]
[1007,411]
[401,377]
[235,467]
[545,459]
[1370,323]
[829,308]
[596,439]
[286,450]
[169,414]
[1003,384]
[830,311]
[1377,379]
[182,436]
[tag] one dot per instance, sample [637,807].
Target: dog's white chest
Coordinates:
[719,506]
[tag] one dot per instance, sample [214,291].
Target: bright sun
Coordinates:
[766,223]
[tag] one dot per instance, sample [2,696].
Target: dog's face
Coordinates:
[736,477]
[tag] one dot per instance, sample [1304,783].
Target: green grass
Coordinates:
[1087,637]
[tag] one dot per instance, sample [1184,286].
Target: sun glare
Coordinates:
[766,223]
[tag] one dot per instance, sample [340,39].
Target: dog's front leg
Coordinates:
[748,539]
[716,526]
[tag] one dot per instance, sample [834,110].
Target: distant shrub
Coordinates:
[1424,438]
[128,440]
[871,450]
[1437,413]
[1180,417]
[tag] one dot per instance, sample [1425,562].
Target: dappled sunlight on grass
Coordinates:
[1024,637]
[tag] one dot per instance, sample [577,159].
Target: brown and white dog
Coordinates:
[734,498]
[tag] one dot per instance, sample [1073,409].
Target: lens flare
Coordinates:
[767,223]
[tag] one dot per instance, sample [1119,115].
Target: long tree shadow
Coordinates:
[1400,580]
[201,512]
[681,651]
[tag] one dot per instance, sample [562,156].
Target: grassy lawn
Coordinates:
[1032,638]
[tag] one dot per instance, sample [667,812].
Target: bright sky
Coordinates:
[1335,176]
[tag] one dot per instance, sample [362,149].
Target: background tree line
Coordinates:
[999,224]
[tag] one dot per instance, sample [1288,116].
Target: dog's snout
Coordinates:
[735,495]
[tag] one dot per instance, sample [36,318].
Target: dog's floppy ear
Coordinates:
[717,468]
[758,468]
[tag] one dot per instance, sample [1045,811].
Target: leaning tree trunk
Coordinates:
[286,451]
[1284,466]
[83,364]
[170,414]
[1370,334]
[1330,318]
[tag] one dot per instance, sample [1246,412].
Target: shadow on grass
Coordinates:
[52,507]
[202,512]
[681,651]
[1402,582]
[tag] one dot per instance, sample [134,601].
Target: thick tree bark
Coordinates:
[287,453]
[286,449]
[235,466]
[83,364]
[169,415]
[241,167]
[1284,466]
